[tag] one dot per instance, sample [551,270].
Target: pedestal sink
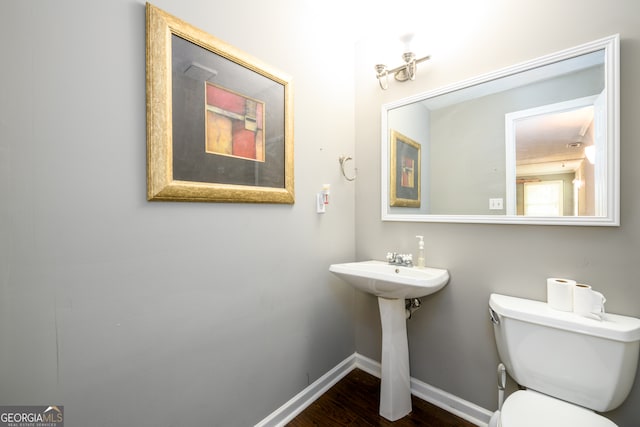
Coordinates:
[393,284]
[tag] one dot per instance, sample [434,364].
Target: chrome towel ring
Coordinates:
[343,160]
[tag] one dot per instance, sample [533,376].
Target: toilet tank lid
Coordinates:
[614,326]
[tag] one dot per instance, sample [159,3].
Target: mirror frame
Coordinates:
[611,47]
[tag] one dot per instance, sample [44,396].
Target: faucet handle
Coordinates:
[391,256]
[407,260]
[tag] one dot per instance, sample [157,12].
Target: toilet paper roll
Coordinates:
[560,293]
[588,302]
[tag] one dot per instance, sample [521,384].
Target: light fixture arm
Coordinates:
[381,71]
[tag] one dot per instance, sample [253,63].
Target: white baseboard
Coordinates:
[306,397]
[440,398]
[450,403]
[368,365]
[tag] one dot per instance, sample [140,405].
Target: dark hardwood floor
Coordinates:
[354,401]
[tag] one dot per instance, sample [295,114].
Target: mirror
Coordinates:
[535,143]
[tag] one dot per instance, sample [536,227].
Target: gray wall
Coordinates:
[450,338]
[162,314]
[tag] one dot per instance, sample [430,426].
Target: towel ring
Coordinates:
[343,160]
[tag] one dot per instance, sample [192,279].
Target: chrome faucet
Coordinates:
[395,258]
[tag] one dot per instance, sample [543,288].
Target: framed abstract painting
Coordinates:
[405,170]
[219,122]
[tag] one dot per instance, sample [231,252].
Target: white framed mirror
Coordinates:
[534,143]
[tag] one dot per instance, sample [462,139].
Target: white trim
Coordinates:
[306,397]
[370,366]
[450,403]
[440,398]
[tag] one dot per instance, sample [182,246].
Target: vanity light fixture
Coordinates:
[402,73]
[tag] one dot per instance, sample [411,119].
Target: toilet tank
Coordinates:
[585,361]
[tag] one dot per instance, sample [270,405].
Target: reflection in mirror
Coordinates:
[554,148]
[535,143]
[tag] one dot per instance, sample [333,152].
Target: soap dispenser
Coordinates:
[420,251]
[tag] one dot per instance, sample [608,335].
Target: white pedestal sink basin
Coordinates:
[392,281]
[393,284]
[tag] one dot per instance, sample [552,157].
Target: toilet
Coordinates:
[568,365]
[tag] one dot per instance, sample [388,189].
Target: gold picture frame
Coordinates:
[405,171]
[199,89]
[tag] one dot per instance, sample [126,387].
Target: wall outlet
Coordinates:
[495,204]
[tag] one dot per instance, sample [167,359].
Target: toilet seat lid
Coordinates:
[532,409]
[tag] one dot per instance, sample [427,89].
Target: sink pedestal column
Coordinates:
[395,386]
